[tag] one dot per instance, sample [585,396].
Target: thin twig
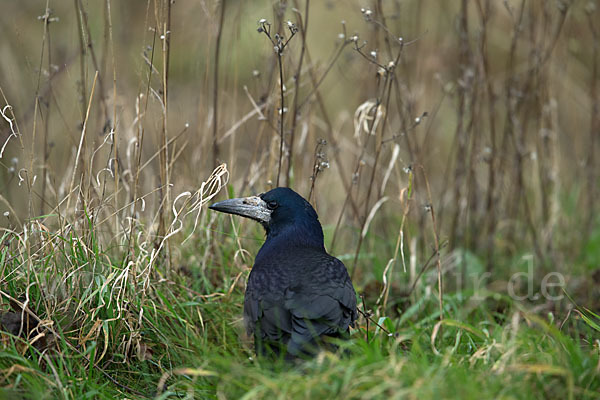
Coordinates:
[215,118]
[436,242]
[81,140]
[303,27]
[368,317]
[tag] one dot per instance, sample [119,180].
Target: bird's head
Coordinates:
[280,211]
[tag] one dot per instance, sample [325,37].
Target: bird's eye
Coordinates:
[272,204]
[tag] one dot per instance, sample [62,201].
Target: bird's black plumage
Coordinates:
[297,294]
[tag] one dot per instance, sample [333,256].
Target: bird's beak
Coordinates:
[250,207]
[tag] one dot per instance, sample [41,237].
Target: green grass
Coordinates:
[180,331]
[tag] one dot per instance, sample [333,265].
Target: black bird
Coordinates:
[297,294]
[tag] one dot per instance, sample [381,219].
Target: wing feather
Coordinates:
[298,299]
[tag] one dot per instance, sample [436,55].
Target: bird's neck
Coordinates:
[303,234]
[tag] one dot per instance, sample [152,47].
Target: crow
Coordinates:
[297,294]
